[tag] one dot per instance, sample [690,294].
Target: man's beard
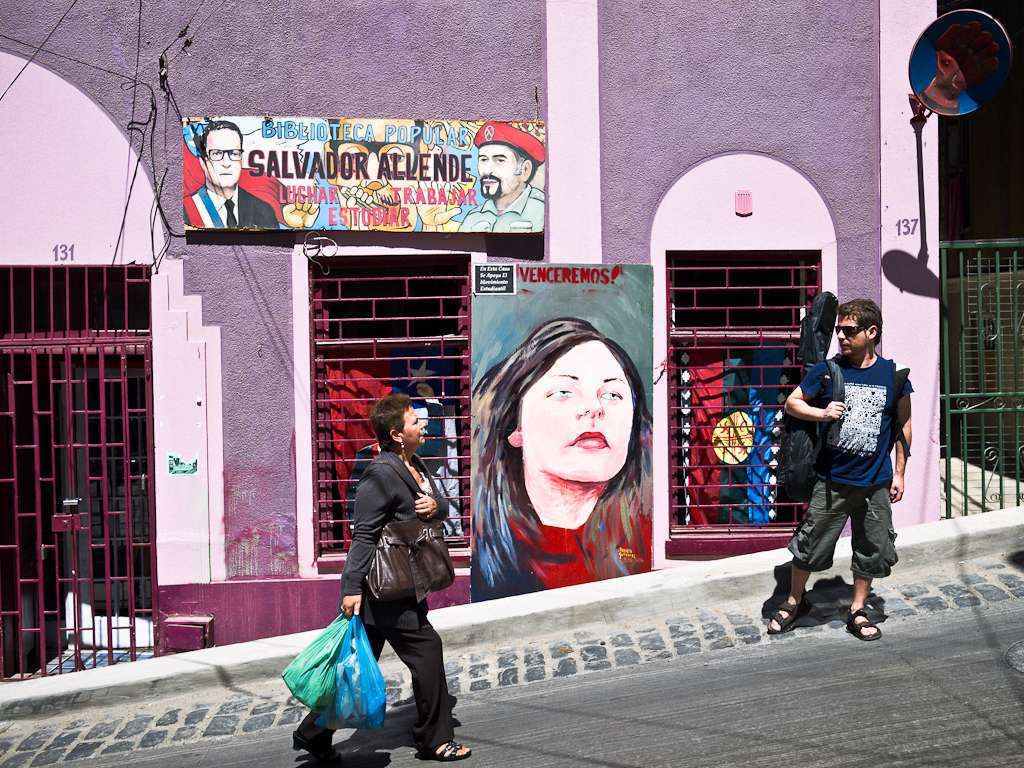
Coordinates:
[496,189]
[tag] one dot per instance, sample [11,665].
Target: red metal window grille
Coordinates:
[77,558]
[74,302]
[734,327]
[377,327]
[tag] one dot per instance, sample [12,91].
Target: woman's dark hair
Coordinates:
[500,501]
[388,414]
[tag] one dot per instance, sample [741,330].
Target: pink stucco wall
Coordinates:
[698,214]
[910,298]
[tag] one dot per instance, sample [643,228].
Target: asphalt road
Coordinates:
[935,691]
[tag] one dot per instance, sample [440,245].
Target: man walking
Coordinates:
[856,477]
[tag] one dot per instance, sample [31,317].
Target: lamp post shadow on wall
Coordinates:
[907,272]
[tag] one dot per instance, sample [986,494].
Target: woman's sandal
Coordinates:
[446,753]
[793,612]
[856,628]
[318,746]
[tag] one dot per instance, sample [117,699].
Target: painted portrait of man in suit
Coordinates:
[221,202]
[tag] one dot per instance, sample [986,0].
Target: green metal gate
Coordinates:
[982,374]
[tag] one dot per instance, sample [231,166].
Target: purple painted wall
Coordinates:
[247,292]
[417,58]
[792,79]
[423,59]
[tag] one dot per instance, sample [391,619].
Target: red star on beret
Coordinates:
[503,133]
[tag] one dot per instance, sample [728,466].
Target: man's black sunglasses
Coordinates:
[849,331]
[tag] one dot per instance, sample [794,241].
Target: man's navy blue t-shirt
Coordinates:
[857,447]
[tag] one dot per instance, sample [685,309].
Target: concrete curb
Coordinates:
[618,601]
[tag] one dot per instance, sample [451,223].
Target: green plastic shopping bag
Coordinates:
[311,675]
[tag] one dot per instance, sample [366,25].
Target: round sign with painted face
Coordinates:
[960,62]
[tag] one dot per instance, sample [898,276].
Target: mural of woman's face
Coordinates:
[575,421]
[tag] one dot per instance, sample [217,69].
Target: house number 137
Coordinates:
[906,227]
[64,252]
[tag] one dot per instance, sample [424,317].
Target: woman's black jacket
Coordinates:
[386,492]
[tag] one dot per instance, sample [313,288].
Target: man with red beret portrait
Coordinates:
[507,161]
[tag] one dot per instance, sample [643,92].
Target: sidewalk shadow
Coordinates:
[372,748]
[1016,559]
[829,598]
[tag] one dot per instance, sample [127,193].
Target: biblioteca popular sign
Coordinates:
[267,173]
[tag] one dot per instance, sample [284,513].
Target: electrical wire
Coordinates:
[50,52]
[133,125]
[193,16]
[135,91]
[142,128]
[188,40]
[38,49]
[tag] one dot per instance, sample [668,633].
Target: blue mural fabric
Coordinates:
[856,450]
[760,478]
[763,394]
[420,373]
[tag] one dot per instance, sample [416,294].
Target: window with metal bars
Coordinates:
[77,558]
[734,328]
[379,327]
[43,303]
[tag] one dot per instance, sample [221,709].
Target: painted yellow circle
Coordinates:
[733,438]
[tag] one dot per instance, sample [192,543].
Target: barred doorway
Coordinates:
[982,425]
[734,328]
[381,326]
[77,558]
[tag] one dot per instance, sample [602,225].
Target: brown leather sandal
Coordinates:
[856,628]
[448,752]
[793,612]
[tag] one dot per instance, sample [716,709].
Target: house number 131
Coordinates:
[64,252]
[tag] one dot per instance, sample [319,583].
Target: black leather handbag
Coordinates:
[411,560]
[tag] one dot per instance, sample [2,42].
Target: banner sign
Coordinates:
[266,173]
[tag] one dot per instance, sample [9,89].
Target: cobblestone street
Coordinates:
[210,714]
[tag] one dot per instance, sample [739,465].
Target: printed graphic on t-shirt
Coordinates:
[862,423]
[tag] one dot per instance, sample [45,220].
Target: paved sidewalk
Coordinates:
[217,712]
[943,696]
[700,608]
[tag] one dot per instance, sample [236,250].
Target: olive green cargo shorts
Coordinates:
[814,542]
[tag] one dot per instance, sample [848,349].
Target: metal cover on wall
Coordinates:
[960,61]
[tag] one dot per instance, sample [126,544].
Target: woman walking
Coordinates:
[395,486]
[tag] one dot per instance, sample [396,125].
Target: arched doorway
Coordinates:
[740,244]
